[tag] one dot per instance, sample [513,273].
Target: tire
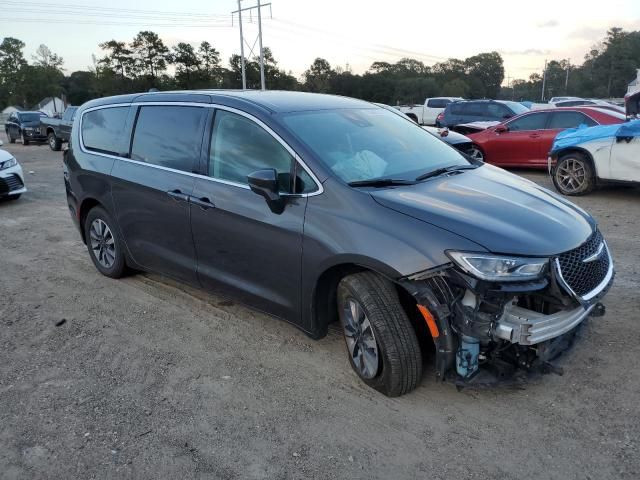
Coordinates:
[398,366]
[55,143]
[9,198]
[574,175]
[24,139]
[11,139]
[108,260]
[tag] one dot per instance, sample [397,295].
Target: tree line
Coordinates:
[144,63]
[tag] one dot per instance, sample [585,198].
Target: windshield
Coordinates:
[29,117]
[517,108]
[369,143]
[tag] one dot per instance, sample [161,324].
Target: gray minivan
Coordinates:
[317,208]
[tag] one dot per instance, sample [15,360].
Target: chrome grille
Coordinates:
[583,277]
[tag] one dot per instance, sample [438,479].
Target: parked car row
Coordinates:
[525,140]
[38,127]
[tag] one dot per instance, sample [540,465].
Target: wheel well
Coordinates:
[84,210]
[412,116]
[326,304]
[50,130]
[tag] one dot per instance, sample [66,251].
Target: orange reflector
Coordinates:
[431,322]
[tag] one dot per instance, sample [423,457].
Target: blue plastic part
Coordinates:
[583,134]
[467,356]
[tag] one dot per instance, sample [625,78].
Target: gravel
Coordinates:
[146,378]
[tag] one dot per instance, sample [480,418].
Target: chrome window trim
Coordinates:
[294,154]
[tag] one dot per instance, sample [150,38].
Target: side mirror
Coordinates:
[265,184]
[501,129]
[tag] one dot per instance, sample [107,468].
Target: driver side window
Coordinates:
[533,121]
[239,147]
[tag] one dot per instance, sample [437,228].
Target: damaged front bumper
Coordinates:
[490,332]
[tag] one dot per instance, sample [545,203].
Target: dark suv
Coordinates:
[24,125]
[479,111]
[317,208]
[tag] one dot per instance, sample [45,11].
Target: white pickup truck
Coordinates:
[426,114]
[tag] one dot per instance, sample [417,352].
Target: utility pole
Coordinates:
[566,80]
[262,86]
[544,79]
[244,75]
[259,39]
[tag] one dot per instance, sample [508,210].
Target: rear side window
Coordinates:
[438,102]
[102,129]
[168,136]
[475,109]
[457,109]
[569,120]
[533,121]
[240,146]
[497,110]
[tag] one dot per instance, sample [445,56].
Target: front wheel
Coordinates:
[475,153]
[54,142]
[103,243]
[381,343]
[574,175]
[25,141]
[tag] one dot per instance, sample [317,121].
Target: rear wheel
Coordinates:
[103,243]
[574,175]
[54,142]
[381,343]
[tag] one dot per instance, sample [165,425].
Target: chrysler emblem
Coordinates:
[596,255]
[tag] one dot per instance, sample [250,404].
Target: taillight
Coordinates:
[440,116]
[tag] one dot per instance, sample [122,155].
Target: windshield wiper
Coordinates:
[443,170]
[380,182]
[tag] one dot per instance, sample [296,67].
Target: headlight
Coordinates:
[497,267]
[12,162]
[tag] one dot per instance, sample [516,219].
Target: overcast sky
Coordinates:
[354,32]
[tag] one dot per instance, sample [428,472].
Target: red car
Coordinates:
[525,140]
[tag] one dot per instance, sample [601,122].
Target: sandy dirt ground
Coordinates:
[146,378]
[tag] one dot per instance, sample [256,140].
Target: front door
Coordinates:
[521,143]
[151,190]
[243,248]
[624,162]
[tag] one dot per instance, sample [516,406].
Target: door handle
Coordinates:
[204,203]
[178,196]
[534,135]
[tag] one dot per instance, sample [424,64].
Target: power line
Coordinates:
[118,23]
[83,9]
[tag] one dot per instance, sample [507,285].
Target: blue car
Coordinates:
[470,111]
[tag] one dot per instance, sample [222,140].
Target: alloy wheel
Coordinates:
[476,153]
[52,142]
[571,175]
[361,341]
[102,243]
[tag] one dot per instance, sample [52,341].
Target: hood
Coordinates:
[30,123]
[450,137]
[4,155]
[496,209]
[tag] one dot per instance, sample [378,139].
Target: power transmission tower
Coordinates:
[257,7]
